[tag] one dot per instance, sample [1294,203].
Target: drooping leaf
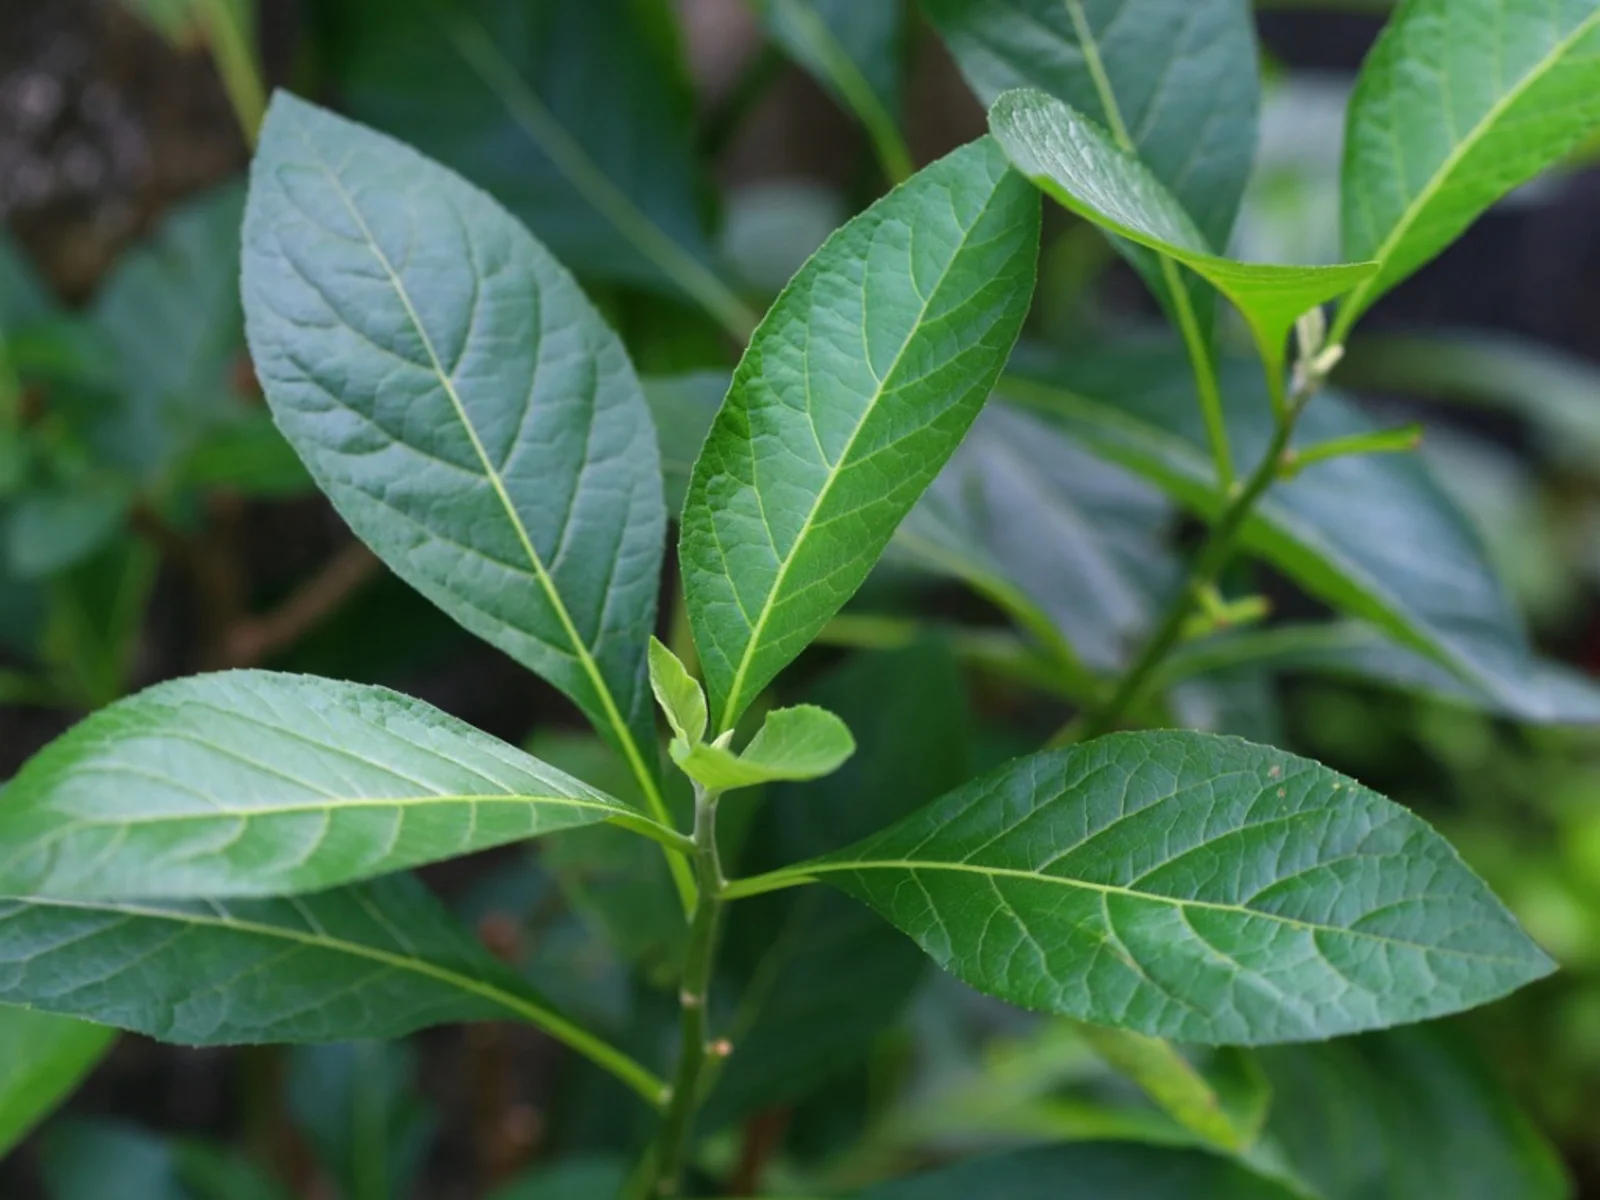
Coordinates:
[1080,165]
[856,388]
[1192,887]
[43,1057]
[799,743]
[811,978]
[505,93]
[1373,535]
[461,403]
[678,694]
[855,51]
[1180,78]
[376,960]
[1459,102]
[1087,1171]
[357,1103]
[1406,1113]
[253,783]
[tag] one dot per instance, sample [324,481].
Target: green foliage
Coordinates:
[44,1057]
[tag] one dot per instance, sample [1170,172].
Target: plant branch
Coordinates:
[233,51]
[253,639]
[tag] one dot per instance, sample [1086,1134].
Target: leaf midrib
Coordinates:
[810,870]
[1354,303]
[731,706]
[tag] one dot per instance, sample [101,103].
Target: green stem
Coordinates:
[1379,441]
[233,50]
[1204,369]
[677,1126]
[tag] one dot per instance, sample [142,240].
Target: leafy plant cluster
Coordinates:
[224,858]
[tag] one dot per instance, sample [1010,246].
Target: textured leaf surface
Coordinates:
[377,960]
[42,1058]
[1180,78]
[254,783]
[1373,535]
[1088,1171]
[678,694]
[1459,102]
[855,390]
[1406,1113]
[1081,165]
[799,743]
[461,403]
[1192,887]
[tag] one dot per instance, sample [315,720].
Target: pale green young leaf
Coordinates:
[678,693]
[253,783]
[1081,165]
[462,404]
[376,960]
[855,390]
[803,742]
[1192,887]
[1459,102]
[1179,78]
[43,1057]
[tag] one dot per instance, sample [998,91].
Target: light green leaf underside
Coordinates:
[42,1058]
[856,388]
[1081,165]
[251,783]
[1459,102]
[462,404]
[377,960]
[1181,78]
[1191,887]
[1371,534]
[799,743]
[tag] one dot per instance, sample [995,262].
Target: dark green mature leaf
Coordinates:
[1179,77]
[1088,1171]
[1081,165]
[97,1159]
[856,389]
[1373,535]
[1459,102]
[855,50]
[52,529]
[1402,1114]
[43,1057]
[461,403]
[1070,546]
[812,978]
[357,1103]
[377,960]
[505,93]
[251,783]
[1193,887]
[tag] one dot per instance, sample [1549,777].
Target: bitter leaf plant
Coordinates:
[221,859]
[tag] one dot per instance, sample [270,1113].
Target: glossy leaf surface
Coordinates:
[462,404]
[1180,78]
[1193,887]
[42,1058]
[856,388]
[799,743]
[254,783]
[1081,165]
[1458,103]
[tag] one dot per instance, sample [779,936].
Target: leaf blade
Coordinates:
[792,745]
[42,1058]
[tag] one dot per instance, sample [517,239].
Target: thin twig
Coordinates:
[254,639]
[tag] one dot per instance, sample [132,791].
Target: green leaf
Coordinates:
[252,783]
[1088,1171]
[855,50]
[1224,1103]
[377,960]
[1372,535]
[678,693]
[505,93]
[812,979]
[43,1058]
[50,530]
[572,1179]
[1192,887]
[1179,78]
[856,389]
[803,742]
[357,1104]
[23,295]
[249,457]
[1459,102]
[462,404]
[683,407]
[1402,1114]
[96,1159]
[1081,165]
